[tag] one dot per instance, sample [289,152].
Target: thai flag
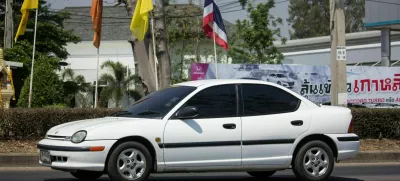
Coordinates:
[212,22]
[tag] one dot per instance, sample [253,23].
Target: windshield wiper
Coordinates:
[121,113]
[147,112]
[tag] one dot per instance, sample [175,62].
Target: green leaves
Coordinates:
[311,18]
[117,83]
[47,87]
[51,36]
[253,41]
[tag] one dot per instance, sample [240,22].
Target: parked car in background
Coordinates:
[280,79]
[206,125]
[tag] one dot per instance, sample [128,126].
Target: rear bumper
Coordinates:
[70,157]
[348,145]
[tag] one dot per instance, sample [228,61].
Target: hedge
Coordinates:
[377,123]
[22,123]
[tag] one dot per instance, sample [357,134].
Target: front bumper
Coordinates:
[69,156]
[348,145]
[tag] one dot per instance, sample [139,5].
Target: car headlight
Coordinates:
[78,136]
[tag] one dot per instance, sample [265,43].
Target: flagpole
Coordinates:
[33,60]
[154,49]
[97,78]
[215,53]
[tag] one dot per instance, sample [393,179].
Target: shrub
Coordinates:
[377,123]
[34,123]
[47,88]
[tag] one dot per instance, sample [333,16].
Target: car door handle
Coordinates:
[229,126]
[297,123]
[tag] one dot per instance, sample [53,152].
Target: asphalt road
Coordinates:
[342,172]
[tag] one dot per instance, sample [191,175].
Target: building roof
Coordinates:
[323,42]
[116,21]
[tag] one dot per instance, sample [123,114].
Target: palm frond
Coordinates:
[106,94]
[119,71]
[134,94]
[68,73]
[80,79]
[108,78]
[135,78]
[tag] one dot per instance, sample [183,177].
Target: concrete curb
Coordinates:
[31,160]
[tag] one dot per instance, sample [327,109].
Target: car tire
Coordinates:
[313,162]
[279,83]
[134,158]
[263,174]
[86,175]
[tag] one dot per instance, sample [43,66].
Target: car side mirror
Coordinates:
[187,112]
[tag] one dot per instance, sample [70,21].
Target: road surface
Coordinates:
[342,172]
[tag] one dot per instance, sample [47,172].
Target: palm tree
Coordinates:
[74,86]
[118,83]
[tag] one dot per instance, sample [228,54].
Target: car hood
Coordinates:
[68,129]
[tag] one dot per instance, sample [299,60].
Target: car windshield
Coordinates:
[280,75]
[157,104]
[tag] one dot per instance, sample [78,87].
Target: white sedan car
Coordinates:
[206,125]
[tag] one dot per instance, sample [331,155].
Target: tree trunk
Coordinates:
[141,55]
[165,64]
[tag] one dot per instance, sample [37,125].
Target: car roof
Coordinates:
[198,83]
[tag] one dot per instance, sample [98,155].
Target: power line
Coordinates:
[129,18]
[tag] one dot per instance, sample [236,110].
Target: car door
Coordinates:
[272,119]
[213,137]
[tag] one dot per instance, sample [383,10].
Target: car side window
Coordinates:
[215,102]
[266,99]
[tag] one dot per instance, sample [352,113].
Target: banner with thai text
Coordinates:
[365,84]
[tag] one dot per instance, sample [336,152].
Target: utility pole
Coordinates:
[338,54]
[9,23]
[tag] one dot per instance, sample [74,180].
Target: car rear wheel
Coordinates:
[86,175]
[314,161]
[130,161]
[264,174]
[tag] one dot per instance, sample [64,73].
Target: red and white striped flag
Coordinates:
[213,22]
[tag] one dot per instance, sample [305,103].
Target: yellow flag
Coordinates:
[28,4]
[140,19]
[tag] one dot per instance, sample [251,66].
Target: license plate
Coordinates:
[45,156]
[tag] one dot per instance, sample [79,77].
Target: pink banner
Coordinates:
[199,71]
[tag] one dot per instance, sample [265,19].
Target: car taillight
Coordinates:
[351,129]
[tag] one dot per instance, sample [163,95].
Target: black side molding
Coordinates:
[268,142]
[225,143]
[199,144]
[349,138]
[62,148]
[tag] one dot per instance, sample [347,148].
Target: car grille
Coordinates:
[54,137]
[62,159]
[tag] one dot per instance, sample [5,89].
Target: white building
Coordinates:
[363,48]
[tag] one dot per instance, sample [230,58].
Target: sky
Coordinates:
[280,10]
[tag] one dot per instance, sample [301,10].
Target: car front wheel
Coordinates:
[86,175]
[264,174]
[314,161]
[130,161]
